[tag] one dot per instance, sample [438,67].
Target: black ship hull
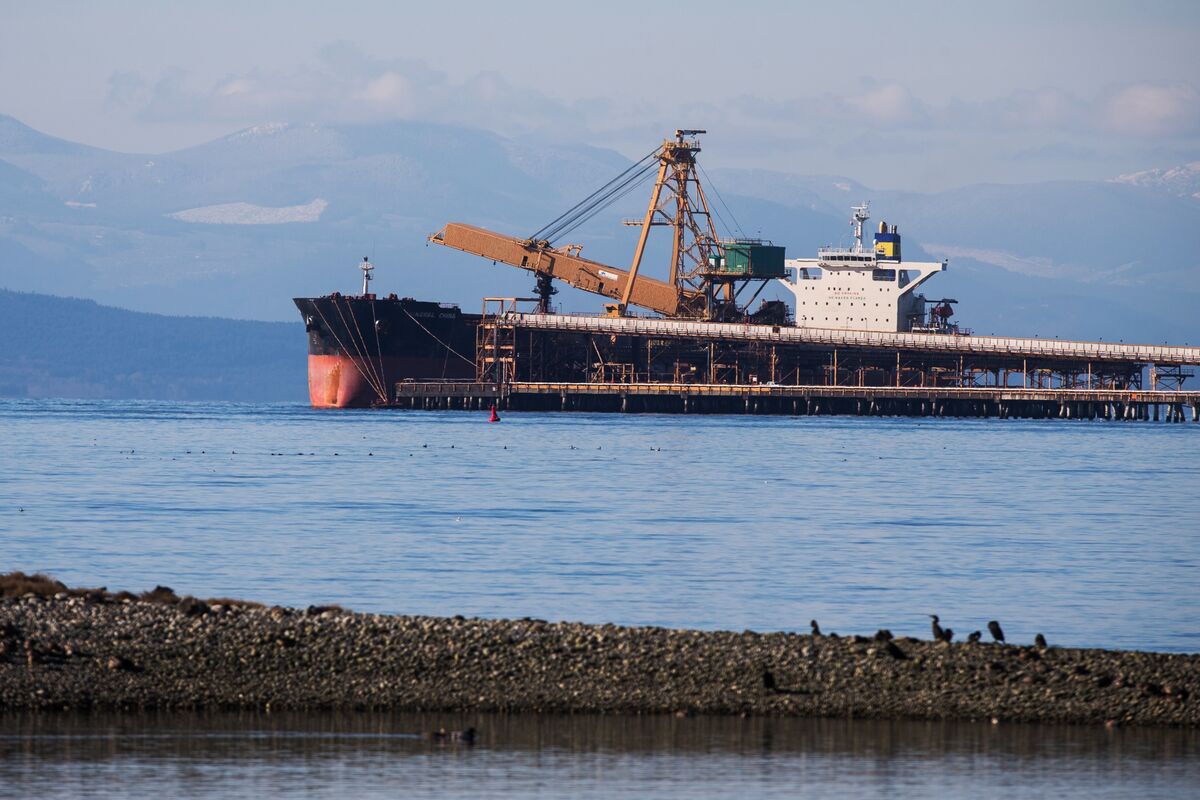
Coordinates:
[360,347]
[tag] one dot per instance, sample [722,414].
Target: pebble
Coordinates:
[105,653]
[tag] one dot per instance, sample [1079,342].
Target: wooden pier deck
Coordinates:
[693,398]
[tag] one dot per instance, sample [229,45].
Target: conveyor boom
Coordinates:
[582,273]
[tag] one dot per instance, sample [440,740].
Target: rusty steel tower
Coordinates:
[678,202]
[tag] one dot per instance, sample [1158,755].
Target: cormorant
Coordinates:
[883,635]
[947,635]
[816,629]
[996,631]
[938,633]
[974,636]
[1040,641]
[466,736]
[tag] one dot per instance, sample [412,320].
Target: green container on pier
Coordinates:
[753,258]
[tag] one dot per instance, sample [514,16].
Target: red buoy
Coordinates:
[495,417]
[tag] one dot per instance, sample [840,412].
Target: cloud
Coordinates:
[343,84]
[1055,152]
[1150,110]
[889,104]
[1045,109]
[234,86]
[392,93]
[870,128]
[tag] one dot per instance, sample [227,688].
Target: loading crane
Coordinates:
[565,264]
[705,272]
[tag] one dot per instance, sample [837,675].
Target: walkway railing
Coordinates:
[927,342]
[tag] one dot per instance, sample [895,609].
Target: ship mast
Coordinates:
[861,215]
[366,268]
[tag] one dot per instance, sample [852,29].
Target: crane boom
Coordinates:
[567,266]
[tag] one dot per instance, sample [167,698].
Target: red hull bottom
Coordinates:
[337,382]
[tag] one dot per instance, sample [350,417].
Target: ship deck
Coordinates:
[863,340]
[565,362]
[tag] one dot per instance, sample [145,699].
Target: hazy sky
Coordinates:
[895,94]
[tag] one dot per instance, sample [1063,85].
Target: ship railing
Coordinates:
[1061,348]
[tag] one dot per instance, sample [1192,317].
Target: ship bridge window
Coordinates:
[904,277]
[883,274]
[811,273]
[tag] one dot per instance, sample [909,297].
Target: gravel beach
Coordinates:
[94,650]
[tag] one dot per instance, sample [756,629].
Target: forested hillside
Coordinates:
[62,347]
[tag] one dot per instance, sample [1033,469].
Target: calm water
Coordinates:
[1086,531]
[583,757]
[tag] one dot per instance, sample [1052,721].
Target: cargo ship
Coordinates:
[360,345]
[858,338]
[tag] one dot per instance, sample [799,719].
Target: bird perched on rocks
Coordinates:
[816,629]
[974,636]
[883,635]
[938,634]
[947,635]
[768,679]
[1040,641]
[996,631]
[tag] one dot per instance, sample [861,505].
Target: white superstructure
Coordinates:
[861,289]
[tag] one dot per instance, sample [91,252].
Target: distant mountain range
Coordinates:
[62,347]
[236,227]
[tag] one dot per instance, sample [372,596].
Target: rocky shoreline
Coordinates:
[81,649]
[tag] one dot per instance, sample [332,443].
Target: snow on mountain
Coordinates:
[266,129]
[1182,181]
[250,214]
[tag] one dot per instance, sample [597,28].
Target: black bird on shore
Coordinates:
[768,679]
[883,635]
[938,633]
[974,636]
[947,635]
[816,629]
[1040,641]
[996,631]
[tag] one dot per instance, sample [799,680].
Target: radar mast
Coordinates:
[861,214]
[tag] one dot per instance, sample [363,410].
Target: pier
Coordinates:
[562,362]
[667,398]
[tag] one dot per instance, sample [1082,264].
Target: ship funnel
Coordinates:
[887,244]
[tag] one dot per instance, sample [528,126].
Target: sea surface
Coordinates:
[384,755]
[1087,532]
